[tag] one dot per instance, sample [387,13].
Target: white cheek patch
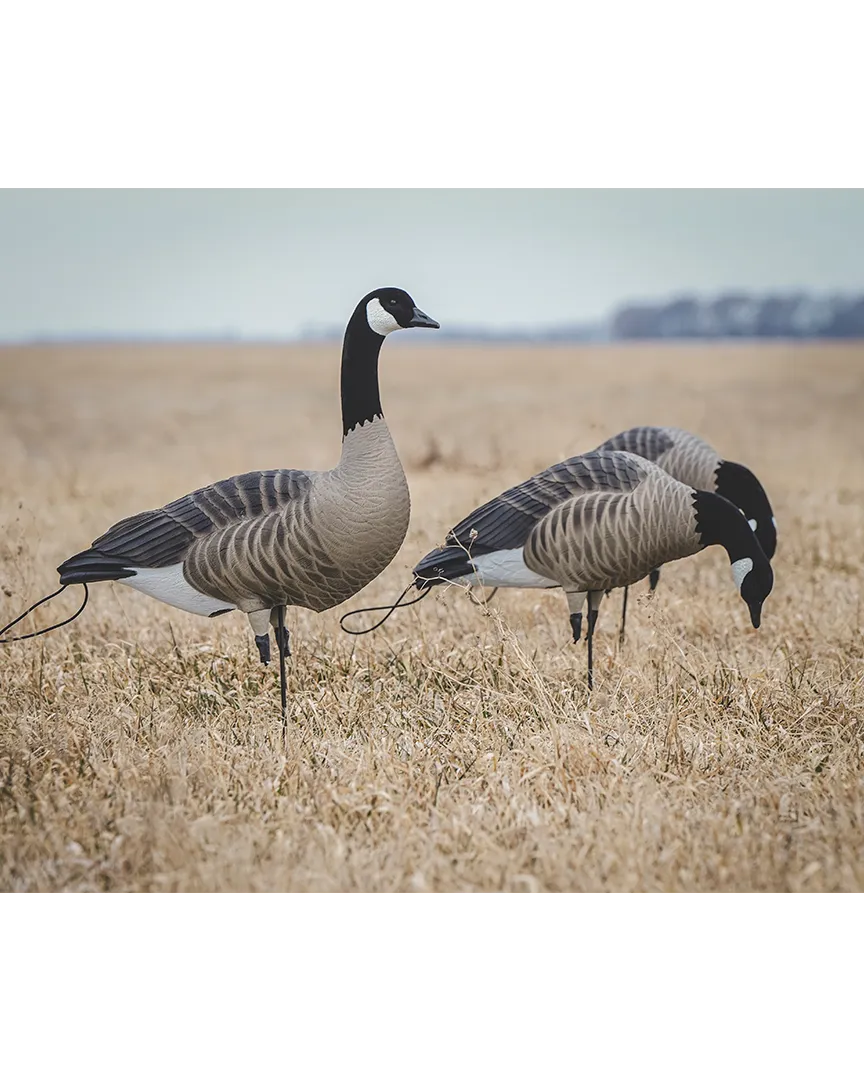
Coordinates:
[381,321]
[740,569]
[752,523]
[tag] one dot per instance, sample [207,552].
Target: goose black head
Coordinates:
[738,484]
[755,581]
[393,309]
[378,314]
[719,521]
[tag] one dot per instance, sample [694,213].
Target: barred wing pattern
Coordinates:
[648,442]
[604,540]
[306,555]
[245,541]
[506,522]
[264,539]
[683,455]
[162,537]
[334,533]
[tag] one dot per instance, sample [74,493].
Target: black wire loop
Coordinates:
[388,608]
[39,603]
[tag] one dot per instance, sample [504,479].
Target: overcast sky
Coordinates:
[274,262]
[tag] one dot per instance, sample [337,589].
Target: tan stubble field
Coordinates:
[456,748]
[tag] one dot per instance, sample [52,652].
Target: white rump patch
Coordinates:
[740,569]
[381,321]
[167,583]
[774,523]
[505,569]
[752,523]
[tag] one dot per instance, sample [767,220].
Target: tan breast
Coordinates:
[605,540]
[319,550]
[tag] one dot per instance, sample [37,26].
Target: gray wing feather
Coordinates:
[647,442]
[506,521]
[162,537]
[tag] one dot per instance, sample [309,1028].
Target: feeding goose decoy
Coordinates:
[595,522]
[696,463]
[262,541]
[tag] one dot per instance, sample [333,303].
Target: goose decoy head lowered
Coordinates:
[718,521]
[693,461]
[740,486]
[595,522]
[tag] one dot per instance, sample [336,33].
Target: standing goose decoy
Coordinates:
[261,541]
[592,523]
[696,463]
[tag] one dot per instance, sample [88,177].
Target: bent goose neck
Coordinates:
[361,401]
[739,485]
[718,521]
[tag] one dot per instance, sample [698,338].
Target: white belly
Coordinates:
[505,570]
[167,583]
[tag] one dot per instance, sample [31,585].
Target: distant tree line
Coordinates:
[738,314]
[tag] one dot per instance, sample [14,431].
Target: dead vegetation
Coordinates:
[456,748]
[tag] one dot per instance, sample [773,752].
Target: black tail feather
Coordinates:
[92,565]
[442,564]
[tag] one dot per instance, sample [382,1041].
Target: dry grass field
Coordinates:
[456,748]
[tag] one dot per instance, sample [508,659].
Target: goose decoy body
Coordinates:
[595,522]
[695,462]
[262,541]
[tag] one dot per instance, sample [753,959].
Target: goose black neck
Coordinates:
[738,484]
[361,400]
[718,521]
